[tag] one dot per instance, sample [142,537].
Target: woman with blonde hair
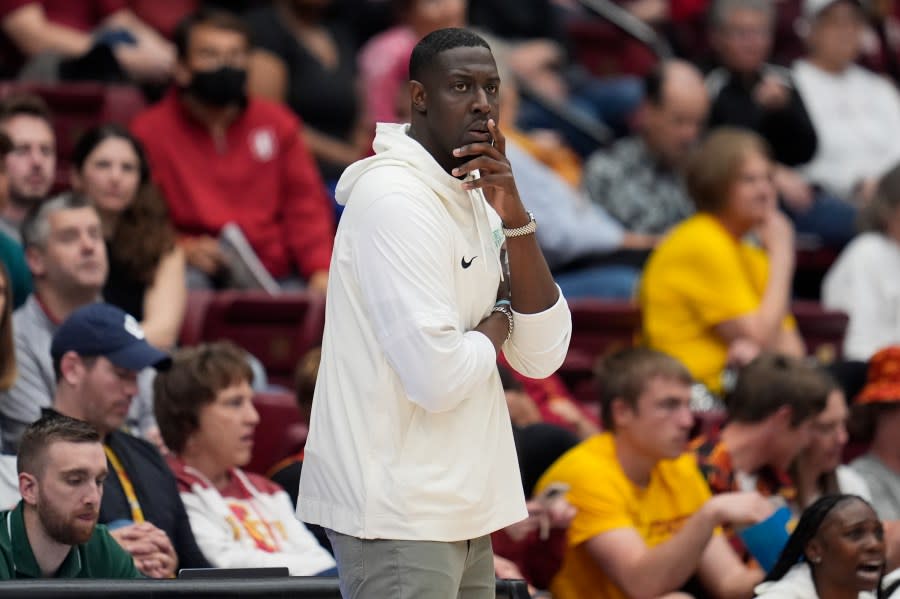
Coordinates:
[716,291]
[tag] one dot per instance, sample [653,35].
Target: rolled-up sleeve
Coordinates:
[406,282]
[540,341]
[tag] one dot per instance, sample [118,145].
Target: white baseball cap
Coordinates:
[813,8]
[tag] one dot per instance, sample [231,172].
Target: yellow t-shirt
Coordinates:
[698,277]
[607,500]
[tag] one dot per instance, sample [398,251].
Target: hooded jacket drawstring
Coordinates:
[477,200]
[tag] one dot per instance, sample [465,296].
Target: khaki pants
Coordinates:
[385,569]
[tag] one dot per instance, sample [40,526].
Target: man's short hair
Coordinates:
[197,375]
[36,226]
[432,45]
[624,375]
[715,166]
[220,19]
[25,104]
[722,9]
[44,432]
[773,381]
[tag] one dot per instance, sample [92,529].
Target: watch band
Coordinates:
[526,229]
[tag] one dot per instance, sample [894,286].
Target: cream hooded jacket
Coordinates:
[796,584]
[410,437]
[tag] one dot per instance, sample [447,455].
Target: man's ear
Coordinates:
[28,488]
[620,411]
[34,257]
[181,74]
[418,97]
[784,417]
[71,368]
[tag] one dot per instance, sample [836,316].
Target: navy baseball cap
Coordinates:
[105,330]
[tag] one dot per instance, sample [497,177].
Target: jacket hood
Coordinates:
[394,147]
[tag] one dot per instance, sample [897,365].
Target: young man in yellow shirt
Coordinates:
[646,524]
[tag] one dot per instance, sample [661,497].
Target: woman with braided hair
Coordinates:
[836,551]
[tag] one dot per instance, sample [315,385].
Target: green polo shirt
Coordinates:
[100,557]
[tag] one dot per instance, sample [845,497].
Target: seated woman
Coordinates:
[204,407]
[146,268]
[864,282]
[709,296]
[836,551]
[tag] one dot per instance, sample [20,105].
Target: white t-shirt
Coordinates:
[856,115]
[864,282]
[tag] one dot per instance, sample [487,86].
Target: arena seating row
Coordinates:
[279,329]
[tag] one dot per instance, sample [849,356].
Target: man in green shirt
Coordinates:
[53,531]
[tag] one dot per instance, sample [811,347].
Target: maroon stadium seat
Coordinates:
[280,431]
[277,330]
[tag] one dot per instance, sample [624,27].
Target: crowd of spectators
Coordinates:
[124,455]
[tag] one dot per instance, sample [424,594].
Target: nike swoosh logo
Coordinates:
[469,263]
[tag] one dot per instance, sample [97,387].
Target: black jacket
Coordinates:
[789,130]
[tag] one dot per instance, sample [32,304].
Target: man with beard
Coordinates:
[97,355]
[31,165]
[221,157]
[53,531]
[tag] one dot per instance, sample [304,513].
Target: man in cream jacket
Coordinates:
[410,462]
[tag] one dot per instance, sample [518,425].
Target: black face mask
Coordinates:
[222,87]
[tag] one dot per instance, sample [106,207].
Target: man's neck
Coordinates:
[636,466]
[420,135]
[48,553]
[60,305]
[746,446]
[215,118]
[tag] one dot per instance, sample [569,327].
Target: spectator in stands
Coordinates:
[300,48]
[639,180]
[771,417]
[836,550]
[708,296]
[878,410]
[384,59]
[8,369]
[749,93]
[819,470]
[591,254]
[31,164]
[855,112]
[642,505]
[146,268]
[53,531]
[8,482]
[862,281]
[65,253]
[11,253]
[220,157]
[96,39]
[64,247]
[97,355]
[534,33]
[205,405]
